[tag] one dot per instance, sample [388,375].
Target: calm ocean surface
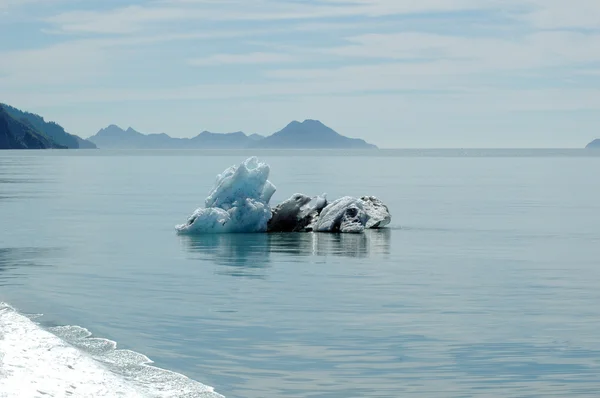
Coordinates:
[487,283]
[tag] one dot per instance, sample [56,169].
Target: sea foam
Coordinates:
[67,362]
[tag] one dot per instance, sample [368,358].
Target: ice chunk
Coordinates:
[288,214]
[343,215]
[248,180]
[350,214]
[238,202]
[297,214]
[321,202]
[378,213]
[317,204]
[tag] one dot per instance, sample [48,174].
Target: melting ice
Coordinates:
[239,202]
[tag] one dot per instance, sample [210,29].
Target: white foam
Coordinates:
[35,362]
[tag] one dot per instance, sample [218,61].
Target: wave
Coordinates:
[66,361]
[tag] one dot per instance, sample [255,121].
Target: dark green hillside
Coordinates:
[52,130]
[15,134]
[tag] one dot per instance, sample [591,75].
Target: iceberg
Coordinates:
[239,202]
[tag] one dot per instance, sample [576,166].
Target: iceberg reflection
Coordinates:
[248,254]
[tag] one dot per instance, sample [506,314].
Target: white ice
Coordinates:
[317,204]
[350,214]
[377,212]
[238,202]
[344,215]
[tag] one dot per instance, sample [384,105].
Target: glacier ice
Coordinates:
[297,214]
[287,214]
[377,212]
[317,204]
[239,202]
[346,214]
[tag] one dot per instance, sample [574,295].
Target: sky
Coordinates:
[398,73]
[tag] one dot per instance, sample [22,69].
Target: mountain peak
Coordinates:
[111,128]
[310,134]
[594,144]
[313,122]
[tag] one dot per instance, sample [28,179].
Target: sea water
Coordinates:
[486,283]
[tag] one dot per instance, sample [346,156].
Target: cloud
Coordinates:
[560,14]
[117,21]
[468,54]
[4,4]
[8,5]
[136,18]
[56,65]
[242,59]
[539,14]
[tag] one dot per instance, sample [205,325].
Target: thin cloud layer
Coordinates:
[483,60]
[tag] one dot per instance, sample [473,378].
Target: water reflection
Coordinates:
[247,254]
[372,242]
[17,172]
[14,262]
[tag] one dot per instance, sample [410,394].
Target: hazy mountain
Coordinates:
[85,144]
[114,137]
[594,144]
[18,134]
[308,134]
[210,140]
[50,129]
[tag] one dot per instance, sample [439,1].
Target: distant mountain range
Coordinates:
[594,144]
[24,130]
[310,134]
[114,137]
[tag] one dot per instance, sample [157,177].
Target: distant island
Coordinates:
[24,130]
[594,144]
[310,134]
